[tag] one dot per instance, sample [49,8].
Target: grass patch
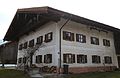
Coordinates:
[11,73]
[115,74]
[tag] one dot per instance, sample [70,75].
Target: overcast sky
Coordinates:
[104,11]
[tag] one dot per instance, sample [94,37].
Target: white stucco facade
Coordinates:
[72,47]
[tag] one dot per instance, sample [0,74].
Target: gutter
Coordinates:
[60,60]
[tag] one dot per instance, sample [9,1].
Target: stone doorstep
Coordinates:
[36,76]
[45,75]
[33,71]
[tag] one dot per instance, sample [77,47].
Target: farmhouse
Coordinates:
[60,42]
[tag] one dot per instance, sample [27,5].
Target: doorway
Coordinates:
[118,57]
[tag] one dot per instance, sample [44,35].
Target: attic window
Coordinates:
[48,37]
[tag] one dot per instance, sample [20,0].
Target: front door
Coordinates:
[118,57]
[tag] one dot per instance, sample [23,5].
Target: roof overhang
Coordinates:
[28,19]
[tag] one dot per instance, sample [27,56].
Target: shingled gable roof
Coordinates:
[28,19]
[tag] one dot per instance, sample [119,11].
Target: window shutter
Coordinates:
[40,58]
[108,43]
[64,58]
[84,39]
[91,40]
[78,60]
[45,38]
[20,46]
[36,59]
[73,58]
[104,42]
[99,59]
[64,35]
[51,36]
[45,58]
[93,59]
[85,58]
[31,43]
[72,36]
[77,37]
[110,60]
[105,59]
[25,45]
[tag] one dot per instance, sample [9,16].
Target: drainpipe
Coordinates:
[60,43]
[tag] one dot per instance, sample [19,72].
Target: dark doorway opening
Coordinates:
[118,57]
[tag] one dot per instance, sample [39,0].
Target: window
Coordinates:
[31,43]
[20,60]
[48,58]
[25,45]
[108,60]
[106,42]
[39,40]
[48,37]
[20,46]
[24,59]
[81,38]
[69,58]
[39,59]
[68,36]
[96,59]
[94,40]
[81,58]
